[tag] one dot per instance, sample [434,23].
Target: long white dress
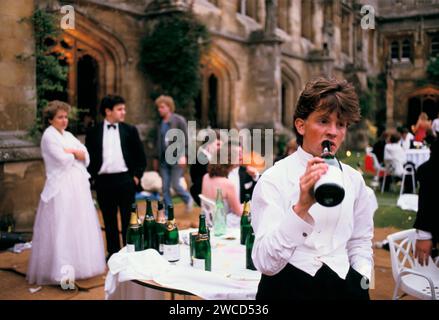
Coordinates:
[67,240]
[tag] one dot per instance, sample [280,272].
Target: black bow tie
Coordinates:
[111,126]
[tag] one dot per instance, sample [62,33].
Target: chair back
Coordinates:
[402,249]
[414,279]
[376,163]
[208,206]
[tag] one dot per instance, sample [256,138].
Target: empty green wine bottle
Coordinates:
[171,248]
[149,227]
[248,249]
[160,228]
[219,218]
[245,219]
[134,235]
[202,253]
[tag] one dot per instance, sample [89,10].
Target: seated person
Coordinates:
[216,178]
[199,168]
[394,155]
[406,138]
[378,147]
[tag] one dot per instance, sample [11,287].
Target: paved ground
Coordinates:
[14,286]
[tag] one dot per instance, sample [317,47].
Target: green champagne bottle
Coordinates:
[219,218]
[245,219]
[171,248]
[149,227]
[202,255]
[160,228]
[249,248]
[134,235]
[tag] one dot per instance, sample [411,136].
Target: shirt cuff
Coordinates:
[256,178]
[364,268]
[423,235]
[294,229]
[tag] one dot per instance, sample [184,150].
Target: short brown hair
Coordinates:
[221,169]
[166,100]
[53,107]
[327,94]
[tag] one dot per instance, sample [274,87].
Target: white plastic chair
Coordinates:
[208,206]
[409,170]
[418,281]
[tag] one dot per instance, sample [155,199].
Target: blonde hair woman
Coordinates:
[421,127]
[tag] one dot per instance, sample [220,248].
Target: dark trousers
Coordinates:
[115,191]
[292,283]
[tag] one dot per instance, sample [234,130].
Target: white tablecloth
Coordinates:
[418,156]
[229,278]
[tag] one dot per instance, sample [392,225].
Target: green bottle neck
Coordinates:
[202,229]
[149,209]
[170,214]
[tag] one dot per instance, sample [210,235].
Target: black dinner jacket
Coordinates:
[132,149]
[246,183]
[427,217]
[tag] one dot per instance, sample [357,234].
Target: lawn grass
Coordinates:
[387,214]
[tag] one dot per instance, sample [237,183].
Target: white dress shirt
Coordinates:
[112,157]
[435,125]
[340,237]
[395,157]
[405,143]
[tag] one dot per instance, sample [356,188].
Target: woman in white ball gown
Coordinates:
[67,242]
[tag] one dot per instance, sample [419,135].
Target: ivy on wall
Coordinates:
[51,75]
[170,58]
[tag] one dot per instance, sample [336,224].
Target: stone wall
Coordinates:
[22,178]
[17,76]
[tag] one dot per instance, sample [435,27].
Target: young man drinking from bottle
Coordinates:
[305,250]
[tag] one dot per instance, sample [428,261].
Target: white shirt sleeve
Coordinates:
[277,232]
[423,235]
[359,245]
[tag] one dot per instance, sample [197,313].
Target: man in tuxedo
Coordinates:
[427,217]
[117,163]
[244,177]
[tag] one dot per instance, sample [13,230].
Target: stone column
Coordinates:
[264,75]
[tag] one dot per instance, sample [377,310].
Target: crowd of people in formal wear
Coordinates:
[303,249]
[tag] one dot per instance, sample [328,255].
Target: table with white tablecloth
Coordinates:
[229,278]
[417,156]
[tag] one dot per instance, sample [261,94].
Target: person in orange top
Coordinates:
[421,127]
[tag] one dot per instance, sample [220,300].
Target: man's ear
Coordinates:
[300,126]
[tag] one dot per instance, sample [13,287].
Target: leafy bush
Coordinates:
[51,75]
[170,57]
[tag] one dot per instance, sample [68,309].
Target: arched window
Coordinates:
[249,8]
[401,50]
[406,50]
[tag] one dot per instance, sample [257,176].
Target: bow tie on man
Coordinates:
[109,126]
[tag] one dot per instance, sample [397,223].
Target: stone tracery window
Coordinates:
[249,8]
[401,50]
[434,47]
